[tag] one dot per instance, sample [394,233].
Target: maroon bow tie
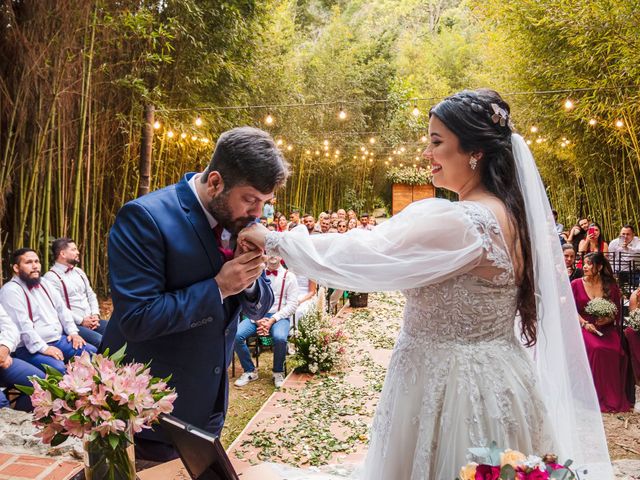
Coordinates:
[31,287]
[68,269]
[227,253]
[272,272]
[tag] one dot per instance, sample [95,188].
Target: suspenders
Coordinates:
[282,289]
[64,288]
[26,297]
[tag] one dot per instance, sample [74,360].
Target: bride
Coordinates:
[461,375]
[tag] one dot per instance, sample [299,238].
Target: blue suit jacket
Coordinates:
[163,256]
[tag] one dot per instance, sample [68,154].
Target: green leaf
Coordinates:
[560,474]
[58,439]
[119,355]
[507,473]
[52,372]
[25,389]
[114,440]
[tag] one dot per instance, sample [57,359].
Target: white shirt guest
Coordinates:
[626,250]
[74,288]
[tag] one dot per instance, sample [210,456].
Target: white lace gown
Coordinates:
[458,376]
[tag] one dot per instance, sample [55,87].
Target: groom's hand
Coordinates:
[240,273]
[253,236]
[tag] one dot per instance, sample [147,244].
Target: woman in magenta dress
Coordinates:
[633,337]
[608,361]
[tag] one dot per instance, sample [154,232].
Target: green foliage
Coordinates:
[409,175]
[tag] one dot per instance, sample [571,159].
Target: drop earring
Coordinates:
[473,162]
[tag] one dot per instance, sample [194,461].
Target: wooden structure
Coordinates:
[403,194]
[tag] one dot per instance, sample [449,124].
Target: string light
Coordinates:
[326,142]
[268,119]
[372,140]
[415,111]
[317,152]
[308,152]
[402,149]
[423,139]
[204,140]
[279,142]
[593,122]
[362,149]
[528,142]
[619,123]
[170,134]
[193,138]
[289,147]
[568,104]
[337,152]
[183,135]
[198,122]
[342,115]
[156,124]
[534,129]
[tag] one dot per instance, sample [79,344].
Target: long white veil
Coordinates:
[560,355]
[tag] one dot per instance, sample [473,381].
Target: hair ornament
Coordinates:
[501,116]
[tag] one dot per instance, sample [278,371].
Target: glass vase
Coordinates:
[103,462]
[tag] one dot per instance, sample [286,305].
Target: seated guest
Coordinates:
[14,371]
[307,290]
[364,222]
[282,225]
[351,215]
[294,219]
[310,222]
[75,290]
[570,262]
[633,337]
[372,221]
[342,226]
[325,224]
[578,233]
[40,315]
[608,361]
[626,252]
[593,242]
[352,223]
[276,323]
[342,214]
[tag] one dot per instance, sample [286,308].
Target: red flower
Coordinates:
[535,474]
[487,472]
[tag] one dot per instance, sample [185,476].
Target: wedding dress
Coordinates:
[459,376]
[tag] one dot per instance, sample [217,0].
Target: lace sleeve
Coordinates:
[427,242]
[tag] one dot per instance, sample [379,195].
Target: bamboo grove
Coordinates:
[76,77]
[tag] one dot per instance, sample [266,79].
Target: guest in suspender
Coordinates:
[75,290]
[48,334]
[275,323]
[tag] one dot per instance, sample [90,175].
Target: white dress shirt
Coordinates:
[49,317]
[9,336]
[225,236]
[73,284]
[624,255]
[285,297]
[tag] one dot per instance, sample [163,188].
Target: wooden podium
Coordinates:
[403,194]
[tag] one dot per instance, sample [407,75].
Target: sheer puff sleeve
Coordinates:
[428,242]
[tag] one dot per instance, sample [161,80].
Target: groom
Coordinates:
[176,285]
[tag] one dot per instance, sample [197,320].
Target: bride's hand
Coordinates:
[253,237]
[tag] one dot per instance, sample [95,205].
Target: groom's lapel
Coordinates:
[198,220]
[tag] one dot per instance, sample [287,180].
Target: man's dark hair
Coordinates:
[307,215]
[364,215]
[17,254]
[628,225]
[263,218]
[60,244]
[248,156]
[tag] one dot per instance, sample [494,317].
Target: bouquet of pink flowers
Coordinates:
[102,401]
[513,465]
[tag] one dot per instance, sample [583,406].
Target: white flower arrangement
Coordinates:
[633,320]
[602,308]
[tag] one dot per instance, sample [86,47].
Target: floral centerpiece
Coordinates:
[409,175]
[513,465]
[602,308]
[633,320]
[102,402]
[319,344]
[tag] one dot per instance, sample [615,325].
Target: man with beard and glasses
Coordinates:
[74,288]
[178,285]
[48,334]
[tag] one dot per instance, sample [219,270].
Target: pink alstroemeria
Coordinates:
[59,405]
[110,426]
[42,401]
[99,397]
[79,381]
[50,431]
[76,428]
[165,404]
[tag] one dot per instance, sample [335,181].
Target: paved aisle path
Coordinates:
[316,420]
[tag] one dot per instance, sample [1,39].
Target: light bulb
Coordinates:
[289,147]
[198,122]
[183,135]
[170,134]
[592,122]
[619,123]
[279,142]
[326,142]
[156,125]
[194,138]
[268,119]
[534,129]
[423,139]
[568,104]
[415,110]
[372,140]
[342,114]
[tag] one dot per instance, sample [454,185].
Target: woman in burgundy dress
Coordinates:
[633,337]
[608,361]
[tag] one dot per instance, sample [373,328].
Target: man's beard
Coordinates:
[74,261]
[219,208]
[29,280]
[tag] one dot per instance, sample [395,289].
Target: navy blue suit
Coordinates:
[167,307]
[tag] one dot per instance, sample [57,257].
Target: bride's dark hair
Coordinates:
[481,121]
